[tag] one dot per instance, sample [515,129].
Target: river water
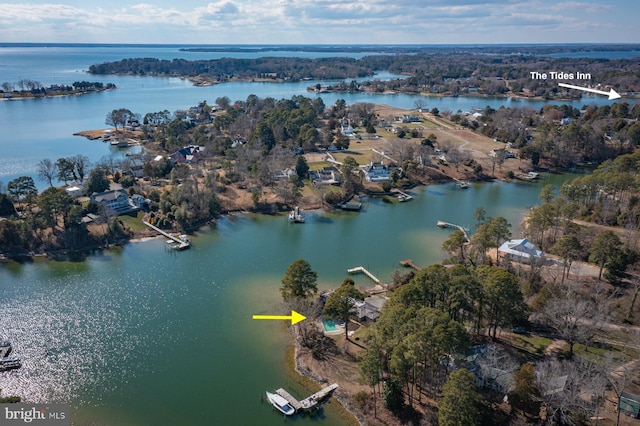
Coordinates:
[146,336]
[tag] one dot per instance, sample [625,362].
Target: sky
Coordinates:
[321,21]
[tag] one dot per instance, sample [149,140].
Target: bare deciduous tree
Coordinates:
[574,318]
[47,171]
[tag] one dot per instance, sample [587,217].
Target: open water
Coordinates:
[145,336]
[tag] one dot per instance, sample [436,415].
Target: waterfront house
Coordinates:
[188,154]
[75,189]
[325,176]
[520,251]
[377,172]
[369,309]
[410,118]
[114,202]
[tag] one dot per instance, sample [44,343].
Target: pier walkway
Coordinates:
[362,269]
[309,402]
[181,243]
[443,224]
[410,263]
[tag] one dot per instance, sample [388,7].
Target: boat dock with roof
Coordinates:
[310,402]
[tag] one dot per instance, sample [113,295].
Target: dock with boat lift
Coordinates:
[309,402]
[443,224]
[181,244]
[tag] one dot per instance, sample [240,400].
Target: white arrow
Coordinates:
[612,93]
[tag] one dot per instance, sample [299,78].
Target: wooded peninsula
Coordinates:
[454,71]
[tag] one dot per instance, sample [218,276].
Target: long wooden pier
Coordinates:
[309,402]
[443,224]
[181,243]
[362,269]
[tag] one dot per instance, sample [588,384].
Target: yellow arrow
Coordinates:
[294,317]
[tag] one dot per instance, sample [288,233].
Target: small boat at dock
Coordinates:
[296,216]
[10,363]
[280,404]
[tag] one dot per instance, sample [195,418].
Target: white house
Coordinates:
[284,174]
[346,128]
[325,176]
[75,190]
[370,308]
[520,250]
[377,172]
[114,202]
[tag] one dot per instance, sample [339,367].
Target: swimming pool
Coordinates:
[329,326]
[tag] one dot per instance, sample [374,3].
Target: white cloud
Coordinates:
[581,6]
[317,21]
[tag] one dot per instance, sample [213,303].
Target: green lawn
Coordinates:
[429,124]
[531,343]
[133,221]
[319,165]
[598,350]
[362,157]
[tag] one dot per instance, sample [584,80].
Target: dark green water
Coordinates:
[144,336]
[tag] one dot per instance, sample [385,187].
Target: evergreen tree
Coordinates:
[460,404]
[97,181]
[300,281]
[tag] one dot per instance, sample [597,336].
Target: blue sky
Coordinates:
[321,21]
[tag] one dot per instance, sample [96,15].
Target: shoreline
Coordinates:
[57,95]
[294,362]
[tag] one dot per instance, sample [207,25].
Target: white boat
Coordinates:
[295,216]
[281,404]
[463,185]
[10,363]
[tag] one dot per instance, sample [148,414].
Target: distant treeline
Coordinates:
[450,71]
[229,68]
[31,87]
[388,49]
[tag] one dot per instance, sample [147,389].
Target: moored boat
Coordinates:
[296,216]
[280,404]
[9,363]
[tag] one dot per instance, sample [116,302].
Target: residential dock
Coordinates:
[5,348]
[402,196]
[181,244]
[409,263]
[363,270]
[309,402]
[443,224]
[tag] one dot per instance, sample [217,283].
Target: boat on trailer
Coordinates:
[280,404]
